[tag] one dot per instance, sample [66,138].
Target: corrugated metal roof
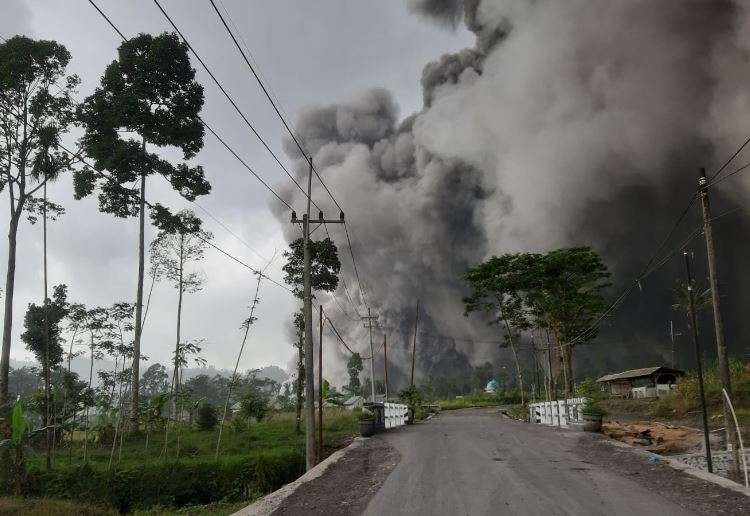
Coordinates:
[636,373]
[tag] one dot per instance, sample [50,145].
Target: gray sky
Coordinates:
[309,53]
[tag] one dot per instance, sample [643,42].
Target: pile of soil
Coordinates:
[655,437]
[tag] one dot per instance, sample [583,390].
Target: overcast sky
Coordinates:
[309,53]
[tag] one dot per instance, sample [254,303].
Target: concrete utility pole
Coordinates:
[370,325]
[310,456]
[721,348]
[320,384]
[699,362]
[385,366]
[414,344]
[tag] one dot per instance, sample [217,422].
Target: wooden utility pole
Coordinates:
[385,366]
[310,459]
[414,343]
[673,336]
[699,361]
[721,348]
[369,324]
[320,385]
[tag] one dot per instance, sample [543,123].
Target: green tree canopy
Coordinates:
[147,96]
[36,328]
[324,265]
[36,110]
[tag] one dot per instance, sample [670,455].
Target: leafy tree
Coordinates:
[36,109]
[498,288]
[207,418]
[155,381]
[147,97]
[568,291]
[354,367]
[171,252]
[324,266]
[43,338]
[560,291]
[23,381]
[254,403]
[324,269]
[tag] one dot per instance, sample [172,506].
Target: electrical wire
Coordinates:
[231,100]
[727,162]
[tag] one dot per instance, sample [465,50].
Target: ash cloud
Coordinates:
[569,123]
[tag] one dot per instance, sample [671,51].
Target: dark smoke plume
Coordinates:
[569,123]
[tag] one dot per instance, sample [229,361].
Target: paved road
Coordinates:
[474,463]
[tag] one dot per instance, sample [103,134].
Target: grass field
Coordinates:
[254,460]
[277,433]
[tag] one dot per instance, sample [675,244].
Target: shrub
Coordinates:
[206,419]
[169,484]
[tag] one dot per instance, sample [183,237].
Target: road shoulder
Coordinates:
[340,485]
[694,494]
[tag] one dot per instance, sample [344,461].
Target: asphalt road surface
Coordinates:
[474,462]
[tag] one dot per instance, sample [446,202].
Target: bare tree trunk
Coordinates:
[511,342]
[135,388]
[47,394]
[91,377]
[10,281]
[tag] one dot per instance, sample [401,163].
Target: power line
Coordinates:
[135,194]
[273,104]
[291,133]
[727,162]
[231,100]
[203,122]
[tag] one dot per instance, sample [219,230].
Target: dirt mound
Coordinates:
[655,437]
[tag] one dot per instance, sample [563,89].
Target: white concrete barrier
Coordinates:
[557,413]
[395,414]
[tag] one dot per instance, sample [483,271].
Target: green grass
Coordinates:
[254,460]
[480,400]
[277,434]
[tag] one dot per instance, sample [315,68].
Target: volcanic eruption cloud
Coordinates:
[568,123]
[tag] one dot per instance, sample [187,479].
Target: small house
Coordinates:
[647,382]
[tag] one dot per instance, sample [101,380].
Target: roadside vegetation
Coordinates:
[258,457]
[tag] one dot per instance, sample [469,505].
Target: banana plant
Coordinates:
[21,432]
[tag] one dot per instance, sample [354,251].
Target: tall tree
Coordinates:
[498,287]
[324,270]
[147,97]
[354,368]
[43,337]
[36,109]
[155,381]
[560,291]
[171,253]
[567,289]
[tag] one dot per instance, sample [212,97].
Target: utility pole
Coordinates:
[699,362]
[320,384]
[385,366]
[672,336]
[721,348]
[370,325]
[307,309]
[414,344]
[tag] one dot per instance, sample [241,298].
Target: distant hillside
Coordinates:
[80,365]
